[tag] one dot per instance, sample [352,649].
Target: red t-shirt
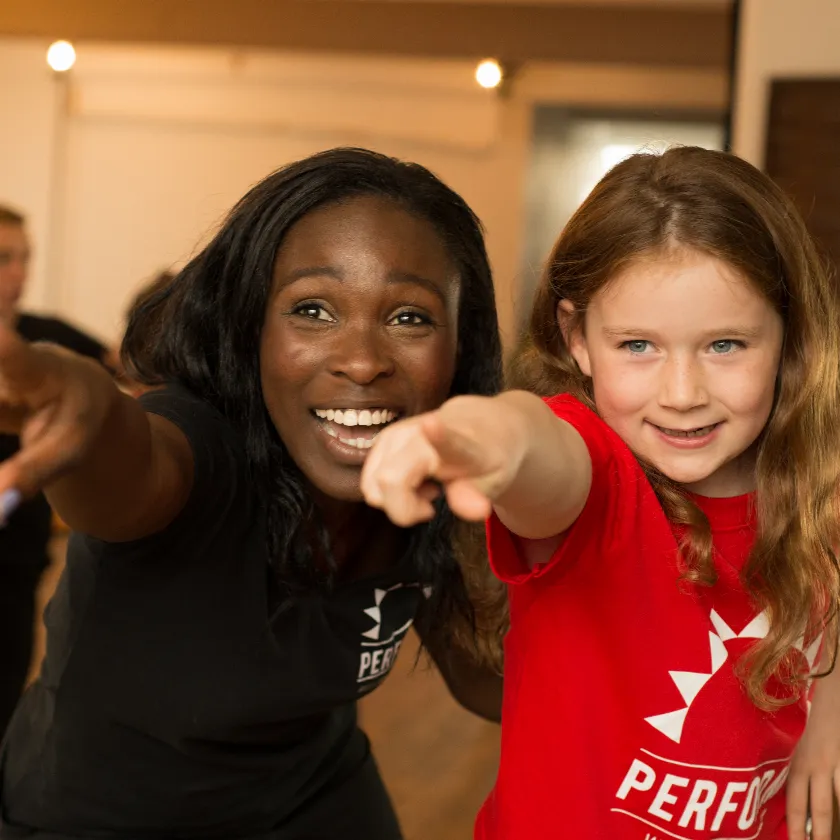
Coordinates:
[623,716]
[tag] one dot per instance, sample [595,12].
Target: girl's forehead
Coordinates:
[676,277]
[682,298]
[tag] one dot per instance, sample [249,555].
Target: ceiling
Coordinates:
[693,33]
[700,4]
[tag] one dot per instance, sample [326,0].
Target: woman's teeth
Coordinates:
[359,443]
[368,418]
[351,417]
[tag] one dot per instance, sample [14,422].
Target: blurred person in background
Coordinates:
[24,539]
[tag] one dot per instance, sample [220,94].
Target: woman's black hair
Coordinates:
[203,328]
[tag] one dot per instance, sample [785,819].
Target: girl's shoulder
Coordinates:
[606,447]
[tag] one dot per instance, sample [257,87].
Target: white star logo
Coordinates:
[690,683]
[375,613]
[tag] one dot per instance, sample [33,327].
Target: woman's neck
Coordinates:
[359,535]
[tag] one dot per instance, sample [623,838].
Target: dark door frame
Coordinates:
[734,35]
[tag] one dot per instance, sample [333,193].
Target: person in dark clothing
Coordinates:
[228,595]
[24,539]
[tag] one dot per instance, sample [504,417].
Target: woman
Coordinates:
[228,595]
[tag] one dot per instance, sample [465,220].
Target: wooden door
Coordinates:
[803,152]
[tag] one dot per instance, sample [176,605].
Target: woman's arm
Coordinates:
[109,469]
[476,686]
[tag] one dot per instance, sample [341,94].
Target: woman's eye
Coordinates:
[636,346]
[313,311]
[410,319]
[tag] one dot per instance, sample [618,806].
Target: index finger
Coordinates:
[400,461]
[459,455]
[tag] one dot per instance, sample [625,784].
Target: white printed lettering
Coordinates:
[764,785]
[702,796]
[364,663]
[776,785]
[727,806]
[639,777]
[665,797]
[750,813]
[377,663]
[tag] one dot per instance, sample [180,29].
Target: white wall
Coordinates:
[160,143]
[28,118]
[128,161]
[779,39]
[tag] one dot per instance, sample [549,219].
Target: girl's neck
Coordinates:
[735,478]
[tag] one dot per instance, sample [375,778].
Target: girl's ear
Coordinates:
[574,335]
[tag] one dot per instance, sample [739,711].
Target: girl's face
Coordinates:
[683,352]
[361,328]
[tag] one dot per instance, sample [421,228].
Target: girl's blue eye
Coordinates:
[637,346]
[725,345]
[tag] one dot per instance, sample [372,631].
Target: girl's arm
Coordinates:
[551,483]
[507,453]
[109,469]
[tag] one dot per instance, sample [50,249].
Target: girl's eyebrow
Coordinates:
[717,332]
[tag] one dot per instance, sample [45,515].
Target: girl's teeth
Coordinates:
[689,434]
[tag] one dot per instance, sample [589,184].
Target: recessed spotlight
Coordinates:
[61,56]
[489,73]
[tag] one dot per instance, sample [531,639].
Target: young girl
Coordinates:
[666,523]
[228,596]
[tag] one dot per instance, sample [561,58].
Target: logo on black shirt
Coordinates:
[392,614]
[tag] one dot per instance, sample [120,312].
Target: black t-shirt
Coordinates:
[24,540]
[168,705]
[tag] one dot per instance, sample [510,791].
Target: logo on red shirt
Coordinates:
[682,800]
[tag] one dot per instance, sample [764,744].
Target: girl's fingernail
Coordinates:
[9,501]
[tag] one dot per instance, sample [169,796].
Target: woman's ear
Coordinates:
[573,335]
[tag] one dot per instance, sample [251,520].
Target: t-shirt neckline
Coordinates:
[726,513]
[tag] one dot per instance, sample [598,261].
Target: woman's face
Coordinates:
[361,328]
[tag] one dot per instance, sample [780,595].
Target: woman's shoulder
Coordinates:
[222,473]
[201,421]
